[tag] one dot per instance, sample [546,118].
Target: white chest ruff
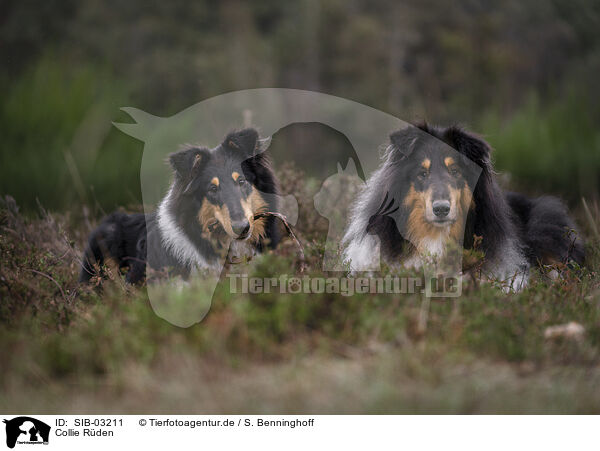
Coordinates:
[175,240]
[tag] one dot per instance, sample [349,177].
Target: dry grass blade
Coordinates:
[590,219]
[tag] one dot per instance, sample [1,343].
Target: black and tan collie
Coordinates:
[425,196]
[209,210]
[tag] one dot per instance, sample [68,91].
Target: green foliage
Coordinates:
[550,147]
[58,143]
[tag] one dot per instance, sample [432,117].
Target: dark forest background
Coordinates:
[523,74]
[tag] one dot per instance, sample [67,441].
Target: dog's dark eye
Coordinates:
[242,181]
[213,189]
[454,172]
[423,174]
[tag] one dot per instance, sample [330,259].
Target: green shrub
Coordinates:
[58,143]
[549,147]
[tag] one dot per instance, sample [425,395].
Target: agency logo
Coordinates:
[26,431]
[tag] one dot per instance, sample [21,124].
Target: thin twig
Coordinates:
[52,279]
[283,219]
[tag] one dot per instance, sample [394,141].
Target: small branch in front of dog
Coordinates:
[52,280]
[302,260]
[292,235]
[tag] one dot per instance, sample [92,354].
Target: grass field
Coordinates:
[102,349]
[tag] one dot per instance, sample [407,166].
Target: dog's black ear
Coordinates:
[185,161]
[403,141]
[470,145]
[246,141]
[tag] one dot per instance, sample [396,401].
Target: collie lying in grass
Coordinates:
[424,198]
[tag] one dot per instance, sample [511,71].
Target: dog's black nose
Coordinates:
[241,228]
[441,208]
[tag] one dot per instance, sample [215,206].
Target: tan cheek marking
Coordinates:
[457,199]
[247,207]
[426,164]
[412,197]
[252,205]
[258,205]
[206,215]
[235,176]
[416,227]
[464,201]
[448,161]
[210,213]
[222,215]
[215,181]
[466,198]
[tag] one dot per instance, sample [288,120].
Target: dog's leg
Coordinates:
[510,269]
[92,256]
[364,255]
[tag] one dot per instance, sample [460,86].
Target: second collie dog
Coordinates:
[421,199]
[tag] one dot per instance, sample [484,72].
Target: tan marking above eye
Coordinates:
[235,176]
[448,161]
[215,181]
[426,163]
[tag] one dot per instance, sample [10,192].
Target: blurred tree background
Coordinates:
[523,74]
